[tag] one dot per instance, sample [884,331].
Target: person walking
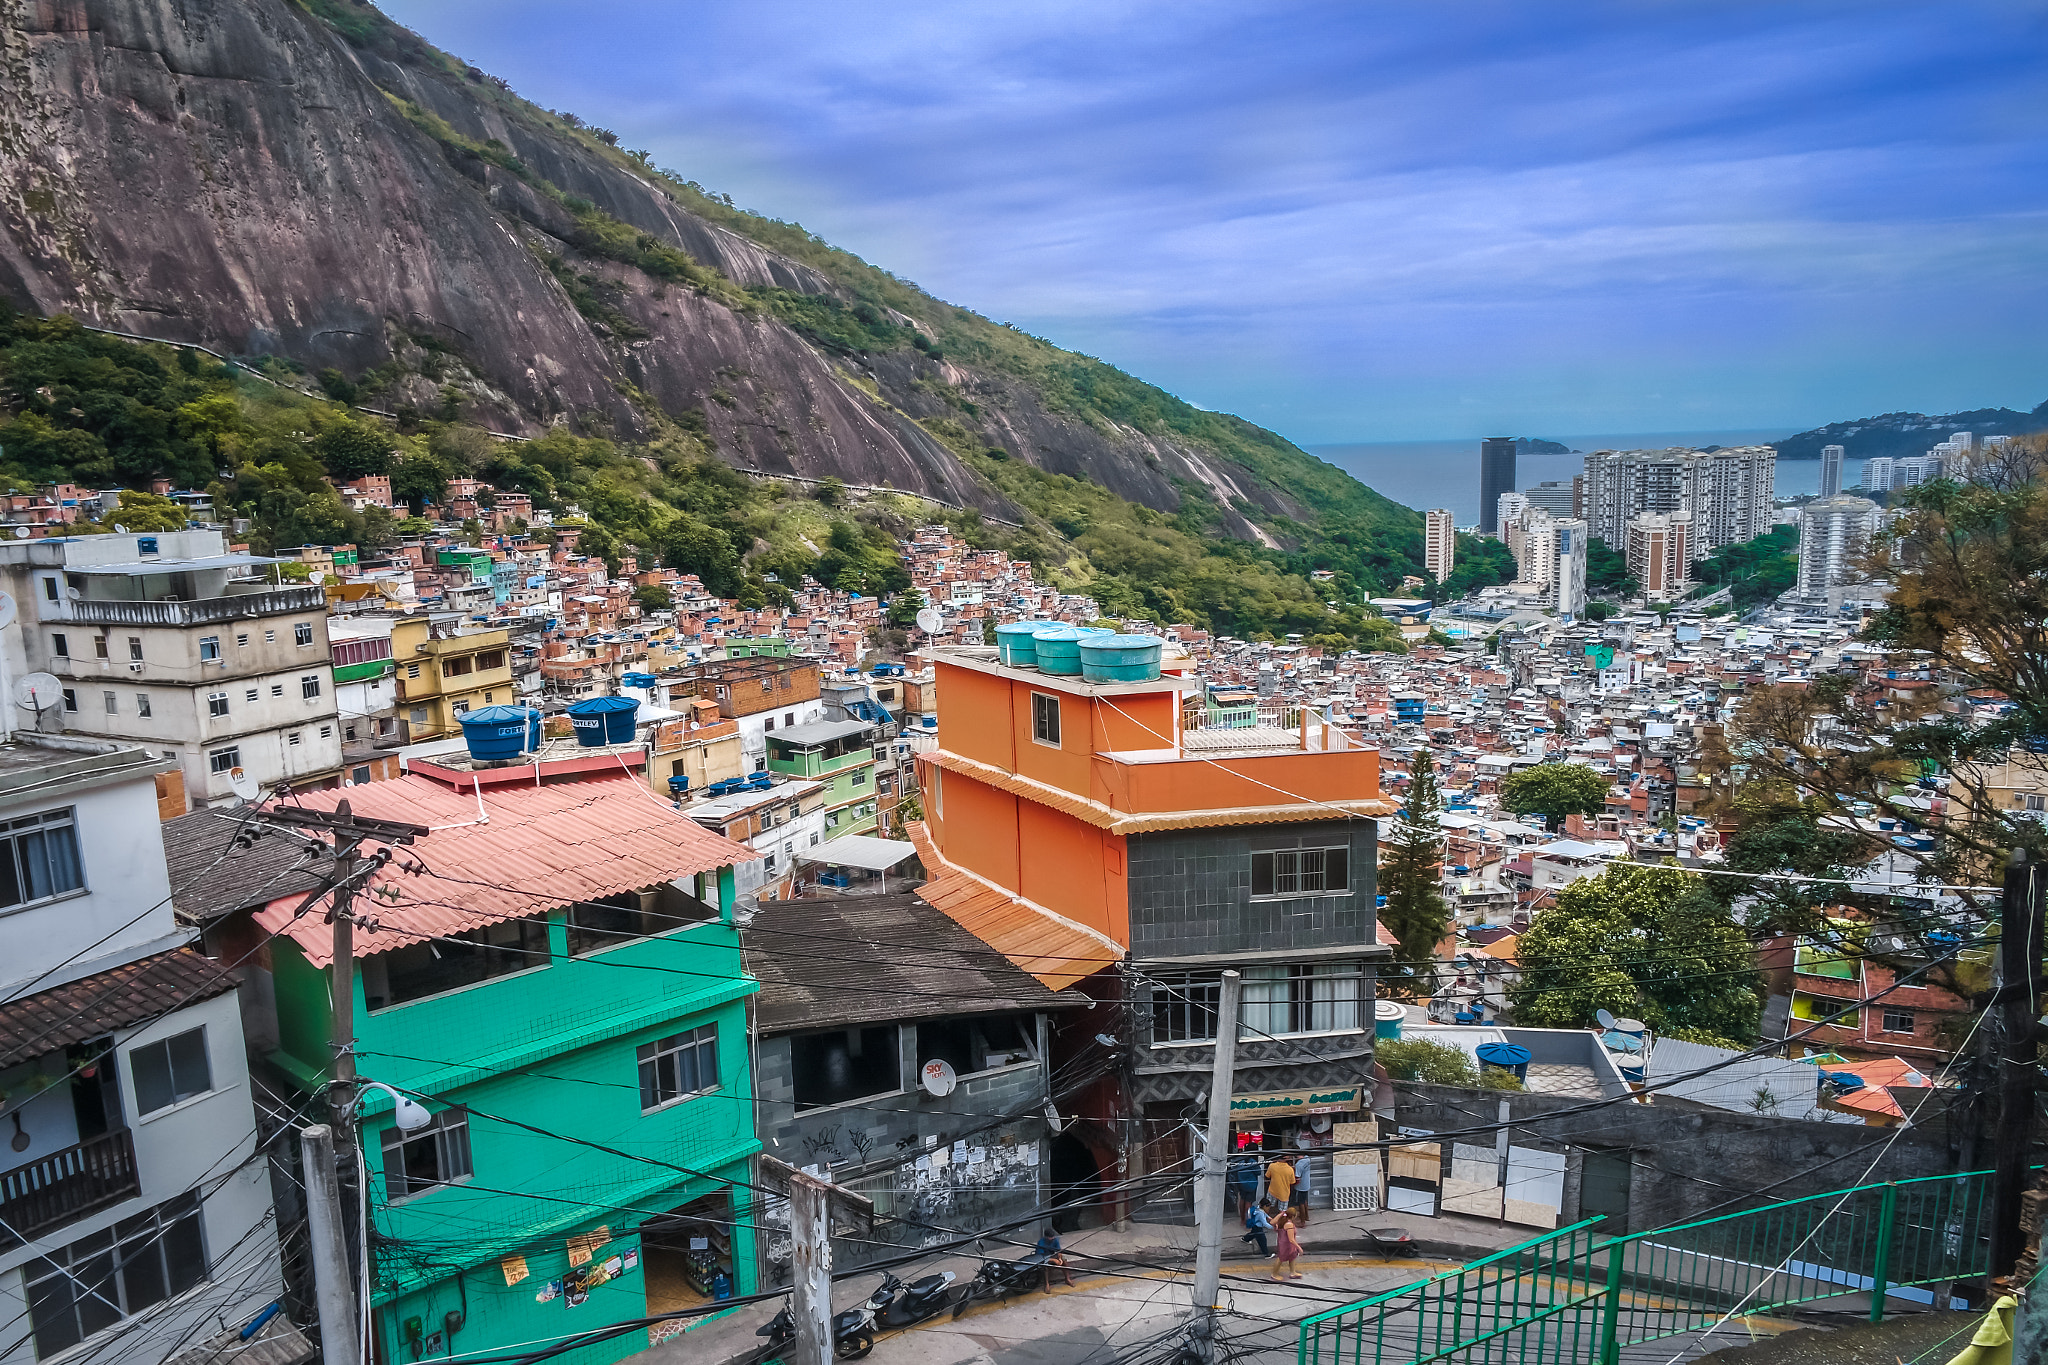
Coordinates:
[1256,1226]
[1289,1251]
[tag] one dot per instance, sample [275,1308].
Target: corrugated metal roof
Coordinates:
[541,847]
[1049,946]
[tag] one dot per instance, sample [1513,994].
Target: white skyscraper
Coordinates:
[1831,470]
[1833,534]
[1728,492]
[1570,575]
[1878,474]
[1511,506]
[1440,540]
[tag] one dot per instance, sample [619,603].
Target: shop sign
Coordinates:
[1282,1103]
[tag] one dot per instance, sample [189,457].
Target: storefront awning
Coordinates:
[1287,1103]
[863,851]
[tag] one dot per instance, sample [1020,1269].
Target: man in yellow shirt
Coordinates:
[1280,1181]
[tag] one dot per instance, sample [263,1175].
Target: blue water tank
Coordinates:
[1121,658]
[1014,644]
[497,733]
[636,680]
[1507,1056]
[604,720]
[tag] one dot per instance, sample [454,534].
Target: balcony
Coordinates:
[66,1185]
[201,612]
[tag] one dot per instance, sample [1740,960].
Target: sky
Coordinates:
[1387,221]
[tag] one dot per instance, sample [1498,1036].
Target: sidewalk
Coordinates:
[1125,1278]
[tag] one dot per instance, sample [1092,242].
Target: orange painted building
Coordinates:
[1079,827]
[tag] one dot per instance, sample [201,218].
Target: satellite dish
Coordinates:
[937,1078]
[242,785]
[7,611]
[22,533]
[930,621]
[39,692]
[317,576]
[1605,1019]
[1319,1123]
[1632,1026]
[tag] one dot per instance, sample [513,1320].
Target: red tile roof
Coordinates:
[51,1020]
[540,847]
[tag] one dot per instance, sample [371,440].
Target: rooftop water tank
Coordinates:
[641,680]
[1511,1057]
[1121,658]
[498,733]
[1059,648]
[1014,645]
[1387,1017]
[604,720]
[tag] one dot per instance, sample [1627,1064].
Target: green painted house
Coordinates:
[839,753]
[564,988]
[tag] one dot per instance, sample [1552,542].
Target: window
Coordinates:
[302,633]
[99,647]
[2036,801]
[251,695]
[221,760]
[107,699]
[292,739]
[309,685]
[846,1064]
[135,648]
[114,1274]
[976,1044]
[216,703]
[1301,998]
[1045,719]
[1184,1006]
[1302,872]
[360,775]
[241,642]
[142,705]
[60,646]
[455,668]
[860,777]
[418,715]
[490,659]
[426,1158]
[269,637]
[50,590]
[1897,1020]
[277,689]
[38,858]
[327,732]
[789,717]
[685,1064]
[70,699]
[170,1071]
[209,649]
[768,725]
[419,970]
[597,925]
[460,708]
[412,670]
[768,864]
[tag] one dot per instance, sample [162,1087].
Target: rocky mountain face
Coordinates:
[241,175]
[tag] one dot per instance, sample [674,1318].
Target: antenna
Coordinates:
[22,533]
[243,785]
[937,1078]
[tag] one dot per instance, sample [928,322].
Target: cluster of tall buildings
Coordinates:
[1728,492]
[1948,459]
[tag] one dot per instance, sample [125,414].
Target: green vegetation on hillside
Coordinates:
[1756,570]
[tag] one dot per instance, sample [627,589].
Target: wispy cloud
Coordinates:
[1396,220]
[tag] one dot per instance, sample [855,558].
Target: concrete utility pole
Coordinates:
[1209,1171]
[810,1240]
[333,1285]
[2019,971]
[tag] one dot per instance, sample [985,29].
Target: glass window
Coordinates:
[142,704]
[99,647]
[597,925]
[1302,872]
[302,633]
[1184,1006]
[70,699]
[60,646]
[1898,1020]
[309,685]
[135,647]
[107,698]
[97,1281]
[846,1064]
[489,659]
[1045,719]
[1301,998]
[419,970]
[39,858]
[169,1071]
[685,1064]
[220,760]
[209,648]
[216,703]
[426,1158]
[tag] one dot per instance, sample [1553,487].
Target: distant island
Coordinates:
[1896,434]
[1530,445]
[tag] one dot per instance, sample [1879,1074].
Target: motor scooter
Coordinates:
[852,1337]
[1000,1279]
[896,1304]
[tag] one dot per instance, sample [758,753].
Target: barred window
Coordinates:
[679,1065]
[38,858]
[1302,872]
[1184,1006]
[116,1273]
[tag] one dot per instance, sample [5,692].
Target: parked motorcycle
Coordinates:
[896,1304]
[851,1334]
[1000,1279]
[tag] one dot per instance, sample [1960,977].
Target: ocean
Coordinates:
[1424,474]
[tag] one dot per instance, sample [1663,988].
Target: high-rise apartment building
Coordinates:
[1552,556]
[1878,474]
[1658,557]
[1439,542]
[1833,533]
[1496,476]
[1831,470]
[1511,506]
[1559,497]
[1728,492]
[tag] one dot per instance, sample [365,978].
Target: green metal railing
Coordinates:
[1571,1297]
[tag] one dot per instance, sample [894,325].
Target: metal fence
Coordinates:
[1572,1297]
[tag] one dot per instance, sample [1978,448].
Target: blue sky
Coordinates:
[1387,221]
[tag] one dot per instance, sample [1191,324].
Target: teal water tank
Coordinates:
[1014,645]
[1059,647]
[1387,1017]
[1121,658]
[497,733]
[604,720]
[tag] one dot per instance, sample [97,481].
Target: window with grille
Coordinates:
[426,1158]
[1184,1006]
[1045,719]
[1898,1020]
[39,858]
[302,633]
[309,685]
[94,1283]
[1302,872]
[680,1065]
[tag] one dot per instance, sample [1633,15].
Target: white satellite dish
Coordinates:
[1635,1027]
[931,621]
[119,529]
[317,576]
[243,785]
[1605,1019]
[39,692]
[22,533]
[937,1078]
[7,611]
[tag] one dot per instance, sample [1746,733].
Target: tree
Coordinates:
[419,479]
[1410,874]
[1420,1059]
[691,546]
[1599,611]
[1554,791]
[903,609]
[351,449]
[653,597]
[1607,571]
[145,512]
[1639,941]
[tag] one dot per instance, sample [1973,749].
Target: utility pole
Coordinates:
[1209,1172]
[810,1240]
[333,1285]
[2019,967]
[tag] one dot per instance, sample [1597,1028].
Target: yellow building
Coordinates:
[443,672]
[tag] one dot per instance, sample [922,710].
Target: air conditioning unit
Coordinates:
[135,668]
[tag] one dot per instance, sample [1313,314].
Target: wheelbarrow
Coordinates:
[1391,1241]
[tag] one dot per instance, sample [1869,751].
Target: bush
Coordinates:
[1418,1059]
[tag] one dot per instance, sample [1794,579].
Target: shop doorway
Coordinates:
[1076,1184]
[687,1254]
